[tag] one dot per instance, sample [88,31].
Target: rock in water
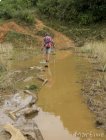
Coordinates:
[15,133]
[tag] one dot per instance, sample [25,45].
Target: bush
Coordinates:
[44,31]
[85,18]
[82,11]
[34,2]
[26,16]
[32,87]
[19,9]
[6,12]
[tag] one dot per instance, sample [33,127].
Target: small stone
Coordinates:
[30,113]
[15,133]
[99,123]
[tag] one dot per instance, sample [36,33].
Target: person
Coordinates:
[47,47]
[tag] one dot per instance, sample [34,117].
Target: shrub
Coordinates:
[82,11]
[26,16]
[33,87]
[43,31]
[19,9]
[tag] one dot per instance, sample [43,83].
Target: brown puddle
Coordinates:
[68,115]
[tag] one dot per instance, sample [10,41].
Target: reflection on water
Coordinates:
[52,127]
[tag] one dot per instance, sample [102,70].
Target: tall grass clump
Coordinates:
[96,49]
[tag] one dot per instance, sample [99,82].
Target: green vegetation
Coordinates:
[2,68]
[43,31]
[26,16]
[79,33]
[1,21]
[20,39]
[32,87]
[17,9]
[81,20]
[82,11]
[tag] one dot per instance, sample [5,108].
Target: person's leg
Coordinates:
[48,54]
[45,52]
[47,57]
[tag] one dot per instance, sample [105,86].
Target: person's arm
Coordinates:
[43,44]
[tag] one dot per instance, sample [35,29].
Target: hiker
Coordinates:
[48,45]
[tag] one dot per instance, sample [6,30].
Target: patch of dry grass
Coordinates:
[96,50]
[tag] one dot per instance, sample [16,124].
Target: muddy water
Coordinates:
[68,117]
[63,115]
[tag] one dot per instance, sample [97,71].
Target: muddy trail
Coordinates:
[62,113]
[61,98]
[38,103]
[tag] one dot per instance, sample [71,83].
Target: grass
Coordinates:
[20,40]
[32,87]
[43,31]
[96,49]
[26,16]
[1,21]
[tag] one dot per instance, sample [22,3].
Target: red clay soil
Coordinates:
[60,40]
[5,28]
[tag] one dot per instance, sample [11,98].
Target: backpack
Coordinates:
[47,40]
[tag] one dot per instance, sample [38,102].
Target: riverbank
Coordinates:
[94,84]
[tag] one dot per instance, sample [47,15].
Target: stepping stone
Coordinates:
[15,133]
